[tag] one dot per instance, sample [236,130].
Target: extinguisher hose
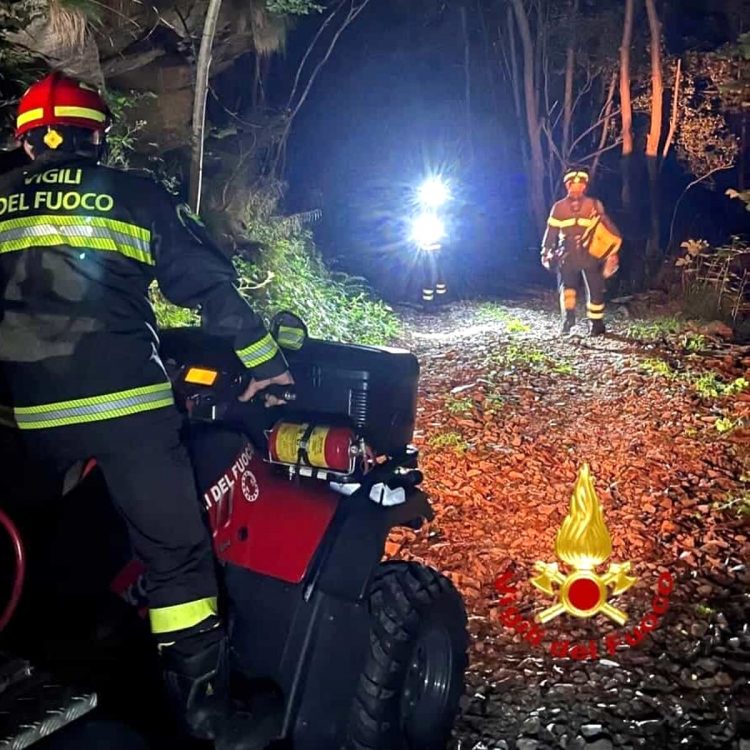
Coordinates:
[20,569]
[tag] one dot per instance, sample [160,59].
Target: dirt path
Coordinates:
[509,412]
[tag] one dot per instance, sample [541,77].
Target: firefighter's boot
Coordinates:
[597,328]
[196,677]
[568,321]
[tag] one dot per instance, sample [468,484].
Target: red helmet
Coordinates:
[59,100]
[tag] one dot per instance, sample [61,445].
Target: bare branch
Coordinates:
[309,50]
[350,17]
[593,127]
[601,151]
[606,119]
[684,192]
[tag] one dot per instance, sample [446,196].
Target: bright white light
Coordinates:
[433,193]
[427,230]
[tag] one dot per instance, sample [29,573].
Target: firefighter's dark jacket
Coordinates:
[568,220]
[80,244]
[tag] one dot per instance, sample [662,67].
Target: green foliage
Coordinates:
[726,424]
[563,368]
[121,139]
[517,326]
[739,504]
[493,403]
[651,330]
[492,311]
[459,405]
[703,610]
[293,7]
[449,440]
[709,385]
[695,342]
[658,367]
[169,315]
[290,275]
[516,353]
[528,355]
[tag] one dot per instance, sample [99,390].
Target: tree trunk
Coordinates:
[626,108]
[536,176]
[199,103]
[570,61]
[654,134]
[515,81]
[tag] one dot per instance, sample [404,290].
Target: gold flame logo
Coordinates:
[583,542]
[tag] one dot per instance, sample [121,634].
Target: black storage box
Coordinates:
[374,387]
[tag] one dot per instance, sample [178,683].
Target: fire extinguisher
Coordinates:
[315,446]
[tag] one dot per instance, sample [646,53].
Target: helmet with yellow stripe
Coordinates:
[57,103]
[575,175]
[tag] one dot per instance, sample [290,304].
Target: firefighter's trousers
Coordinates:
[151,483]
[434,287]
[568,277]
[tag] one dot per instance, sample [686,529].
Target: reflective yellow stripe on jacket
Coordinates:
[291,338]
[258,353]
[89,232]
[92,409]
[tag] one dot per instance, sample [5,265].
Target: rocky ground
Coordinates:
[509,413]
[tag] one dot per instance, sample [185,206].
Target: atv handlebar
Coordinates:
[214,400]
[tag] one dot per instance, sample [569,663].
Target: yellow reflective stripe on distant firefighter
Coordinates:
[32,114]
[258,353]
[181,616]
[84,112]
[560,222]
[92,232]
[94,408]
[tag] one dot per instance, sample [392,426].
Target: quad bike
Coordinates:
[363,653]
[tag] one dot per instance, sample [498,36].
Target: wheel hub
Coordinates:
[427,682]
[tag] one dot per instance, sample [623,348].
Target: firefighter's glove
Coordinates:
[547,259]
[258,385]
[611,265]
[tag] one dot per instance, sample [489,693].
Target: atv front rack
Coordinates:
[33,704]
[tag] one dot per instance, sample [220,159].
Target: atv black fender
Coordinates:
[356,548]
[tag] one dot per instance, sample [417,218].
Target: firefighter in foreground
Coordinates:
[581,239]
[80,373]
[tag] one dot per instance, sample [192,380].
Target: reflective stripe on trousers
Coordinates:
[181,616]
[91,409]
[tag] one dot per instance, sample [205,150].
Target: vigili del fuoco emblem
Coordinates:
[583,543]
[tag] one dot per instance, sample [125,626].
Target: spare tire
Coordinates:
[413,678]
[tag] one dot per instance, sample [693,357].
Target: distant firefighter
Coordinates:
[581,239]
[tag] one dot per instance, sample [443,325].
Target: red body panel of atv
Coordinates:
[265,522]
